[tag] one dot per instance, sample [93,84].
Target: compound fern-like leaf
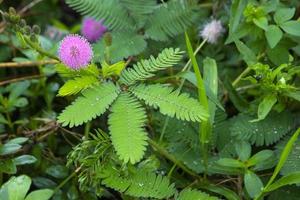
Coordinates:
[170,19]
[76,85]
[170,102]
[189,194]
[114,15]
[264,132]
[93,102]
[126,128]
[142,184]
[145,68]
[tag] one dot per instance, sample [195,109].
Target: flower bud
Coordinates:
[12,11]
[22,23]
[33,37]
[36,29]
[27,30]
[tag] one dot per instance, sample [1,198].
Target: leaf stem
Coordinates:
[39,49]
[185,68]
[66,180]
[244,73]
[172,158]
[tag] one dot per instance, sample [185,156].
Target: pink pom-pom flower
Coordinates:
[212,31]
[92,30]
[75,51]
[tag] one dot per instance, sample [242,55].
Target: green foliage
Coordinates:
[116,18]
[124,44]
[265,132]
[16,188]
[76,85]
[126,128]
[247,105]
[188,194]
[145,68]
[140,184]
[165,23]
[94,101]
[170,102]
[292,163]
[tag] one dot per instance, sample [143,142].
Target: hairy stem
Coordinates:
[27,63]
[172,158]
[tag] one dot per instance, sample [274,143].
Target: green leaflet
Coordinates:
[189,194]
[126,128]
[165,23]
[116,18]
[140,184]
[93,102]
[264,132]
[145,68]
[170,102]
[76,85]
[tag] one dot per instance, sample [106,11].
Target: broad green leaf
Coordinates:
[273,35]
[247,53]
[15,188]
[291,27]
[43,194]
[293,178]
[243,149]
[229,162]
[20,102]
[18,140]
[260,157]
[261,22]
[283,157]
[278,55]
[265,106]
[295,95]
[210,76]
[253,184]
[9,149]
[57,171]
[24,159]
[284,14]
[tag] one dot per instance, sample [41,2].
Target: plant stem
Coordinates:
[172,158]
[13,80]
[244,73]
[185,68]
[66,180]
[27,63]
[195,53]
[205,125]
[39,49]
[87,129]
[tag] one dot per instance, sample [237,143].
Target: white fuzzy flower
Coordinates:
[212,31]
